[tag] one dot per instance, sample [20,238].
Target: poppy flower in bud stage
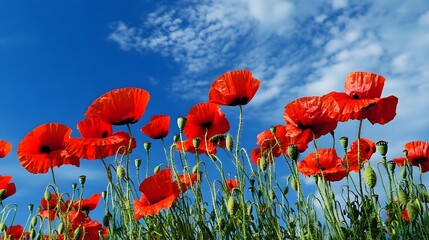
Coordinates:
[157,127]
[305,116]
[417,155]
[45,147]
[231,184]
[367,148]
[205,120]
[159,192]
[98,141]
[7,188]
[5,148]
[327,164]
[120,106]
[188,146]
[15,232]
[362,100]
[233,88]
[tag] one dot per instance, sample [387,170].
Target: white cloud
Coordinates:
[337,4]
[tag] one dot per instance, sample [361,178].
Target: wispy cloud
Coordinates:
[296,49]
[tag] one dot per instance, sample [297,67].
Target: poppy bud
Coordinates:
[30,207]
[272,194]
[344,141]
[424,196]
[176,138]
[47,196]
[2,193]
[77,233]
[382,147]
[221,223]
[252,182]
[250,209]
[3,227]
[196,142]
[229,142]
[412,211]
[147,145]
[405,152]
[157,168]
[33,222]
[232,206]
[404,172]
[286,190]
[82,179]
[402,196]
[106,219]
[137,162]
[104,194]
[181,122]
[370,177]
[60,228]
[391,165]
[263,164]
[273,129]
[293,152]
[32,233]
[294,184]
[195,169]
[120,171]
[217,138]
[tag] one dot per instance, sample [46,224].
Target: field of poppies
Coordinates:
[192,195]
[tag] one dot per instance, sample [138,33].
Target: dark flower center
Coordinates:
[45,149]
[302,126]
[104,134]
[206,124]
[419,159]
[130,120]
[240,101]
[355,96]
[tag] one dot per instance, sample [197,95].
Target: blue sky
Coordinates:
[57,57]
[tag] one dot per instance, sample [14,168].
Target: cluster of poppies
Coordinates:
[306,119]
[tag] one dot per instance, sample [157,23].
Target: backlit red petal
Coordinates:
[157,127]
[364,85]
[5,148]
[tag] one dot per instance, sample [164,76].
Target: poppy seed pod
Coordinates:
[391,165]
[293,152]
[30,207]
[370,177]
[147,146]
[382,147]
[344,141]
[74,186]
[196,142]
[181,122]
[82,179]
[120,171]
[137,162]
[229,142]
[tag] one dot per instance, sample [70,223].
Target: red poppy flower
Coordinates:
[15,232]
[362,100]
[97,140]
[231,184]
[188,146]
[5,148]
[90,230]
[418,155]
[50,209]
[87,204]
[205,118]
[367,148]
[45,148]
[7,188]
[234,88]
[159,192]
[157,127]
[327,164]
[305,116]
[120,106]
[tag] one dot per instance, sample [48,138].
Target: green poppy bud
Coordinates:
[181,122]
[344,141]
[402,196]
[195,169]
[221,223]
[196,142]
[382,147]
[263,164]
[157,168]
[47,196]
[106,220]
[294,184]
[2,194]
[74,186]
[293,152]
[272,194]
[137,162]
[77,233]
[286,190]
[120,171]
[424,196]
[82,179]
[370,177]
[32,233]
[412,211]
[147,145]
[232,206]
[273,129]
[250,209]
[60,228]
[404,173]
[176,138]
[33,222]
[30,207]
[104,194]
[229,142]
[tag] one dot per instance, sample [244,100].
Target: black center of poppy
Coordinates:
[355,96]
[367,150]
[419,159]
[206,124]
[302,126]
[45,149]
[104,134]
[240,101]
[129,120]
